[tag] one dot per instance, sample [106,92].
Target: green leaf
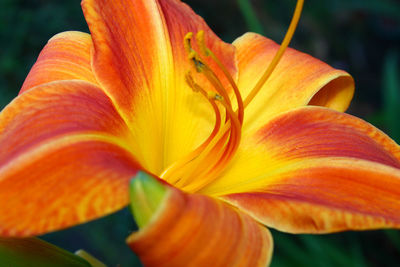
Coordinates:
[23,252]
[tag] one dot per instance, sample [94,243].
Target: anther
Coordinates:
[192,54]
[210,158]
[201,41]
[187,42]
[222,143]
[200,38]
[198,64]
[215,96]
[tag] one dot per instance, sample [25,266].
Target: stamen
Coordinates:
[213,153]
[205,151]
[210,158]
[278,55]
[207,52]
[167,174]
[201,41]
[222,143]
[202,67]
[187,42]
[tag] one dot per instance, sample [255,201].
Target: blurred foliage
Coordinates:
[103,238]
[23,252]
[361,37]
[388,117]
[25,27]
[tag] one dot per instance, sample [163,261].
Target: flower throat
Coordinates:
[211,157]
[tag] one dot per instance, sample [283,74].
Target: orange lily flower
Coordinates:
[153,88]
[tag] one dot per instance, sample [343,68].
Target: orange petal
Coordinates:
[64,160]
[140,61]
[298,80]
[151,57]
[315,170]
[65,57]
[56,109]
[195,230]
[325,196]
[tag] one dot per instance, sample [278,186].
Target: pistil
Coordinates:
[278,55]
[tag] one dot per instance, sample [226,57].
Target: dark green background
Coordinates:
[360,36]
